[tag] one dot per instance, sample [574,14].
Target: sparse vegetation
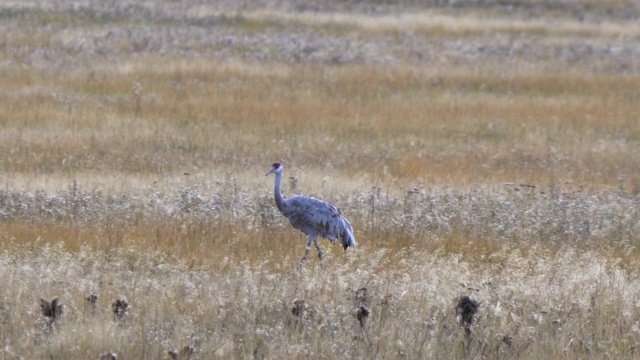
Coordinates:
[485,152]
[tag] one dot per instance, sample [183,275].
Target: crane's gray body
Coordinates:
[313,217]
[318,218]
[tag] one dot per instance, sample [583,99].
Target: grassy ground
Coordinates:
[486,150]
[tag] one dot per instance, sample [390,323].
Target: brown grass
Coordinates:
[411,123]
[524,127]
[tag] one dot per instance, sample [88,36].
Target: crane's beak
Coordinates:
[270,171]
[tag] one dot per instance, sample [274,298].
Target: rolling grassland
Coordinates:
[479,148]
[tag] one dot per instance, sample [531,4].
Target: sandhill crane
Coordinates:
[313,217]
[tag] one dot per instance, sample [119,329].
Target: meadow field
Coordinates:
[480,148]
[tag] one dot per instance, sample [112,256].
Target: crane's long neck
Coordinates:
[278,195]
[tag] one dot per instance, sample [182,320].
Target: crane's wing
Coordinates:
[313,216]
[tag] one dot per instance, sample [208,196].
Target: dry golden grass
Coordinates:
[135,139]
[410,124]
[435,23]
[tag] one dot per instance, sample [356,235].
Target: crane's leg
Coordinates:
[310,239]
[315,242]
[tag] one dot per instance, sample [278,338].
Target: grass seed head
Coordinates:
[51,312]
[507,340]
[362,313]
[184,354]
[299,307]
[465,310]
[108,356]
[120,308]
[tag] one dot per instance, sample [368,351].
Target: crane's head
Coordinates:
[275,168]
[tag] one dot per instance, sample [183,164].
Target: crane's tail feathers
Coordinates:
[346,234]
